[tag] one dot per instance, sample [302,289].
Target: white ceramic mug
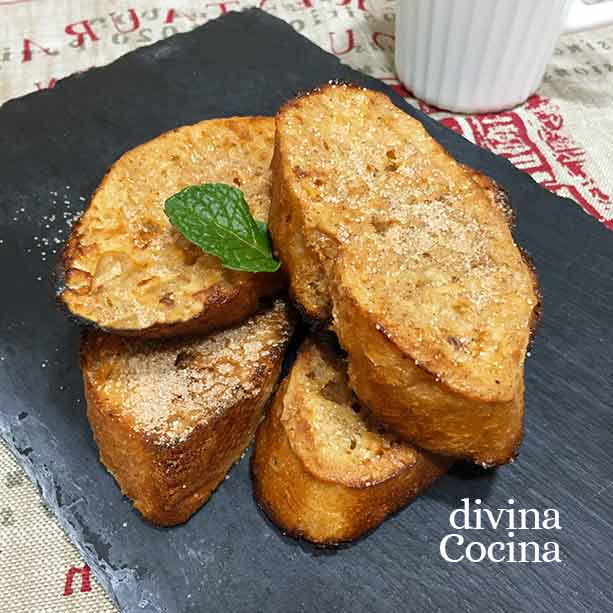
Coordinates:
[475,56]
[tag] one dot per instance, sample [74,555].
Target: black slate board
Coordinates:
[229,557]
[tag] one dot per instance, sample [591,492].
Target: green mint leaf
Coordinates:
[262,226]
[216,217]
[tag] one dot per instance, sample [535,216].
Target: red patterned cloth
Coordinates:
[561,136]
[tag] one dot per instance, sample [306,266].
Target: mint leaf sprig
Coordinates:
[216,218]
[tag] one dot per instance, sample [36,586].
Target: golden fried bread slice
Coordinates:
[129,271]
[322,468]
[343,157]
[170,417]
[413,254]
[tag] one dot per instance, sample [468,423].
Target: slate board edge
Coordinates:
[108,577]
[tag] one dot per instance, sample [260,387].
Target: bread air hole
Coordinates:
[167,299]
[184,359]
[335,391]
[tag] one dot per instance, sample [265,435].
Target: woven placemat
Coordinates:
[561,137]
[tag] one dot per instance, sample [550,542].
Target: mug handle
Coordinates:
[584,16]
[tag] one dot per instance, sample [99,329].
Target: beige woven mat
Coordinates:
[561,136]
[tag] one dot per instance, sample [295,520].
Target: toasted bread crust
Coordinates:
[308,282]
[126,270]
[410,256]
[323,499]
[170,475]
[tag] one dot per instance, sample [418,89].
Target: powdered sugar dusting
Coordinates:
[170,387]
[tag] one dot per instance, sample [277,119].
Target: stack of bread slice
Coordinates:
[403,253]
[323,468]
[186,353]
[409,256]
